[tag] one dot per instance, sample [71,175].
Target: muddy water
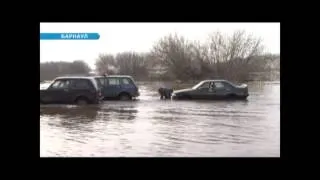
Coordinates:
[165,128]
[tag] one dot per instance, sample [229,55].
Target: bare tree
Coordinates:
[131,63]
[184,59]
[170,51]
[79,67]
[126,63]
[106,64]
[232,56]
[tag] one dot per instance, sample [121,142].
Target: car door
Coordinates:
[127,85]
[81,87]
[112,87]
[57,92]
[202,92]
[217,90]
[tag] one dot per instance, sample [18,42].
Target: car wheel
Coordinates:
[82,101]
[125,97]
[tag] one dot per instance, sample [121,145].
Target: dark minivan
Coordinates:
[72,90]
[119,87]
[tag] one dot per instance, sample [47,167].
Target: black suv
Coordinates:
[70,90]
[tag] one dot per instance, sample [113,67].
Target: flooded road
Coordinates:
[152,127]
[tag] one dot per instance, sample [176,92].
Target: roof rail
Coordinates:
[71,75]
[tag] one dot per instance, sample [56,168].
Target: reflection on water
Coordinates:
[153,127]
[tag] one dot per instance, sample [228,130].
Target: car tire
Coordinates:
[124,97]
[82,101]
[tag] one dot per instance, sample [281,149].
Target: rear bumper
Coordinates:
[137,94]
[98,100]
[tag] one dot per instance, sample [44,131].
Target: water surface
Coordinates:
[153,127]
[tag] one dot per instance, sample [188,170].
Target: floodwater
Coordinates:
[164,128]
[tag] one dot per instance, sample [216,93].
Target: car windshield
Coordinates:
[197,85]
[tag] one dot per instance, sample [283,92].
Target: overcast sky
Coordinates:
[139,37]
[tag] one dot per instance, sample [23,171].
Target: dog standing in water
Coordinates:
[165,93]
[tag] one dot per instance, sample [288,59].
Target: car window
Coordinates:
[113,81]
[219,85]
[227,85]
[205,85]
[60,84]
[100,81]
[55,84]
[81,84]
[125,81]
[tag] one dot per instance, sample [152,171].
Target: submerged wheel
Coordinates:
[125,97]
[82,101]
[232,96]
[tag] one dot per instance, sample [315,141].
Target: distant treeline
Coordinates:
[51,70]
[173,57]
